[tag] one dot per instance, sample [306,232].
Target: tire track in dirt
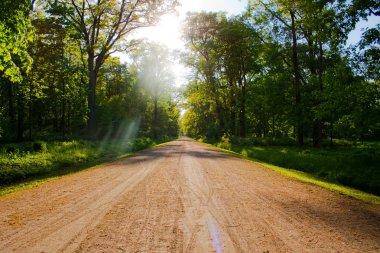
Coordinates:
[145,219]
[272,211]
[61,228]
[185,197]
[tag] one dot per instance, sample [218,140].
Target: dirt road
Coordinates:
[184,197]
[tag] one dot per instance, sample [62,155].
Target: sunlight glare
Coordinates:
[166,32]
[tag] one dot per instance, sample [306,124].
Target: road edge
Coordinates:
[306,177]
[14,188]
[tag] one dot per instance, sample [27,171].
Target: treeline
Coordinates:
[59,79]
[282,70]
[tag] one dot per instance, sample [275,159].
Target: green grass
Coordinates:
[21,166]
[309,178]
[341,169]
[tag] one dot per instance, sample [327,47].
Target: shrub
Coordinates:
[225,142]
[141,143]
[11,150]
[39,146]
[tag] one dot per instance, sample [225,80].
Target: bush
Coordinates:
[202,139]
[225,142]
[39,146]
[141,143]
[11,150]
[263,141]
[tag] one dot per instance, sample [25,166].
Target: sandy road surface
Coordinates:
[184,197]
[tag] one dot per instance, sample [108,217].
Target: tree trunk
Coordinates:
[11,111]
[63,109]
[30,110]
[314,70]
[155,117]
[242,111]
[91,98]
[219,112]
[331,133]
[318,124]
[297,82]
[20,117]
[69,125]
[55,119]
[317,133]
[233,109]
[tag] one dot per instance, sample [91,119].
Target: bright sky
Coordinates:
[355,35]
[167,32]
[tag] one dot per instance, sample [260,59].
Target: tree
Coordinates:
[156,77]
[203,55]
[224,53]
[15,35]
[55,79]
[281,15]
[199,118]
[362,9]
[309,32]
[369,54]
[102,26]
[239,50]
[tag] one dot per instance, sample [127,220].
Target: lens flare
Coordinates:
[123,137]
[213,228]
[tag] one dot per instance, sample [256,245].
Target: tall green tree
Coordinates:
[16,33]
[282,16]
[311,32]
[239,50]
[156,77]
[224,54]
[55,80]
[201,36]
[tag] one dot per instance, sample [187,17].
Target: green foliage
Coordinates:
[200,117]
[362,9]
[54,103]
[265,141]
[102,28]
[370,53]
[225,56]
[224,142]
[280,71]
[156,80]
[15,36]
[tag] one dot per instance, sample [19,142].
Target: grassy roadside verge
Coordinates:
[24,167]
[303,176]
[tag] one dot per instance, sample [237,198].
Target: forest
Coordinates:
[279,75]
[282,70]
[60,80]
